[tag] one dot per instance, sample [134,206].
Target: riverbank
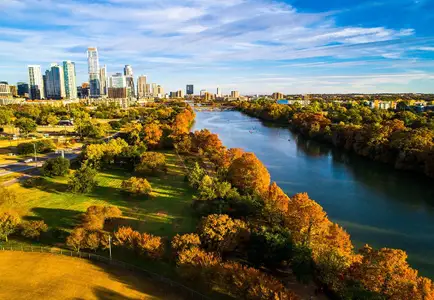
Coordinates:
[381,136]
[373,202]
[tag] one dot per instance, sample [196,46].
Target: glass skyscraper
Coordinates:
[69,76]
[93,67]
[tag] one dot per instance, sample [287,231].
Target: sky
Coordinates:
[253,46]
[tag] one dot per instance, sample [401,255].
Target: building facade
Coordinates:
[128,72]
[93,69]
[103,81]
[117,93]
[219,92]
[36,82]
[23,89]
[235,94]
[142,91]
[69,77]
[190,89]
[154,90]
[5,91]
[118,81]
[54,82]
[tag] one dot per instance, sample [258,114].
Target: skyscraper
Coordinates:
[154,90]
[93,64]
[118,81]
[69,76]
[190,89]
[141,87]
[103,80]
[23,89]
[128,72]
[55,83]
[36,83]
[219,92]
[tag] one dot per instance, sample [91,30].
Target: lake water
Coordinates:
[373,202]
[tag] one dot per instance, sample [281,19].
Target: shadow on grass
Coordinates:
[57,217]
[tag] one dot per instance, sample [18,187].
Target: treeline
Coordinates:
[249,222]
[402,139]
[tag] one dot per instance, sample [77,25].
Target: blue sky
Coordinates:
[254,46]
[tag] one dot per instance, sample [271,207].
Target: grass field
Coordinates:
[47,276]
[166,213]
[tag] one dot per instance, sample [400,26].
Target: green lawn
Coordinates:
[166,213]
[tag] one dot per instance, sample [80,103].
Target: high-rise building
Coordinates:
[160,91]
[103,80]
[69,77]
[128,72]
[154,90]
[14,91]
[93,68]
[219,92]
[118,81]
[54,82]
[235,94]
[36,82]
[190,89]
[23,89]
[202,92]
[141,87]
[278,96]
[148,90]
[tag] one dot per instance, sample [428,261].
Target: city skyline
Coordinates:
[287,46]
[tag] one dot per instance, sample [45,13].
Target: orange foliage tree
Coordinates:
[152,135]
[248,174]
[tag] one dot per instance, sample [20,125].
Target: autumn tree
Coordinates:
[151,163]
[33,229]
[185,242]
[152,135]
[7,196]
[248,174]
[25,125]
[76,240]
[221,233]
[137,186]
[9,223]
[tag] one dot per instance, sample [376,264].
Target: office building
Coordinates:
[83,91]
[202,92]
[118,93]
[54,82]
[278,96]
[118,81]
[142,87]
[93,69]
[23,89]
[190,89]
[36,82]
[69,78]
[103,80]
[219,92]
[13,90]
[207,96]
[148,90]
[154,90]
[128,72]
[5,91]
[160,91]
[235,94]
[180,94]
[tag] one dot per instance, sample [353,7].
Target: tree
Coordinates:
[7,196]
[206,189]
[92,241]
[150,245]
[151,163]
[221,233]
[152,135]
[195,176]
[58,166]
[76,240]
[33,229]
[137,186]
[50,119]
[83,180]
[25,125]
[8,224]
[249,175]
[185,242]
[6,116]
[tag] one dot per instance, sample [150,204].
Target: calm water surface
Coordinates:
[373,202]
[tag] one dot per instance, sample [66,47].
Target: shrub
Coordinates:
[33,229]
[185,242]
[58,166]
[83,180]
[43,146]
[7,196]
[144,244]
[137,186]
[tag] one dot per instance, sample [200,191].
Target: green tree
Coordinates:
[8,224]
[83,180]
[26,125]
[7,196]
[195,176]
[151,163]
[137,186]
[33,229]
[6,116]
[58,166]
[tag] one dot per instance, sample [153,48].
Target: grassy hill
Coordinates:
[47,276]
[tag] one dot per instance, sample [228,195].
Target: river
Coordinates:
[373,202]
